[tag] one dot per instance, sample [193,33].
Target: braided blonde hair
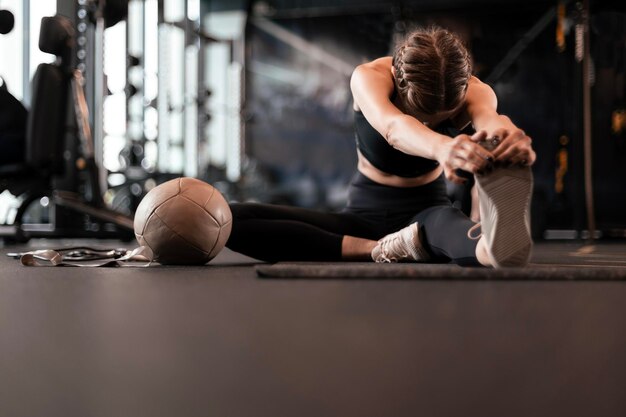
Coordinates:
[432,70]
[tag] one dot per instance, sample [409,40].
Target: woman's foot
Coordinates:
[404,245]
[504,196]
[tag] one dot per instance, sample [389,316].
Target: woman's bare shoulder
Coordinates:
[379,64]
[480,93]
[372,78]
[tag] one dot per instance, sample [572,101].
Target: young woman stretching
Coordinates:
[410,111]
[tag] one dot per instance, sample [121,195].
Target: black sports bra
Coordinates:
[375,148]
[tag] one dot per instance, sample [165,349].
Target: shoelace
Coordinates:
[384,249]
[471,230]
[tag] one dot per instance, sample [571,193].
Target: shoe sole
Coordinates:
[504,196]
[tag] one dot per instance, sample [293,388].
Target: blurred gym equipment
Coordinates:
[7,20]
[59,169]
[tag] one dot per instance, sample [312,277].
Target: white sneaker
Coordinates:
[404,245]
[504,195]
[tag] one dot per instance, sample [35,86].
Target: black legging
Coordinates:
[276,233]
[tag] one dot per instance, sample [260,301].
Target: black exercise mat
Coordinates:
[362,270]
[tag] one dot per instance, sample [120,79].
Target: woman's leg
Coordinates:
[504,240]
[445,236]
[282,233]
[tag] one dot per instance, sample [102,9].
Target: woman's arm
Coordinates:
[372,86]
[481,106]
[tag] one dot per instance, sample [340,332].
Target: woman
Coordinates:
[406,108]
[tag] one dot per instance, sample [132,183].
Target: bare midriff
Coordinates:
[370,171]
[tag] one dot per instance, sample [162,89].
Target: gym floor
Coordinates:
[219,340]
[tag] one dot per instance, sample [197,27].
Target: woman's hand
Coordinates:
[463,152]
[514,148]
